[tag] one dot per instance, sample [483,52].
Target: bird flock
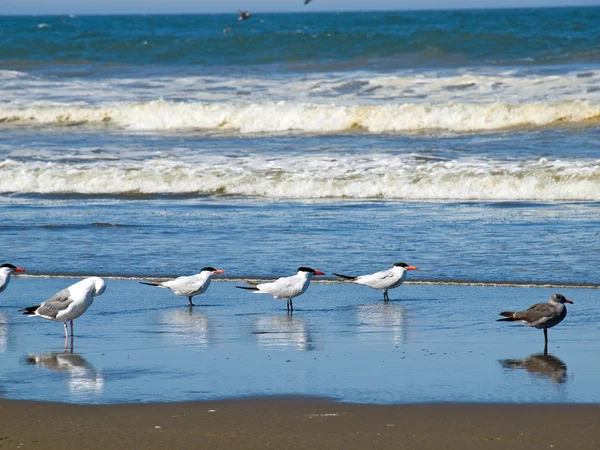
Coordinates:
[71,302]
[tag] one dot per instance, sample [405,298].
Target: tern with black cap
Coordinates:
[384,280]
[285,288]
[189,286]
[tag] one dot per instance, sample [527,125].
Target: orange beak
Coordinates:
[568,301]
[318,272]
[19,269]
[218,271]
[412,268]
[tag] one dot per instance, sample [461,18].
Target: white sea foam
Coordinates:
[272,117]
[315,176]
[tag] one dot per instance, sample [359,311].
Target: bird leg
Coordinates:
[546,349]
[72,329]
[191,302]
[66,332]
[287,304]
[385,295]
[546,336]
[291,305]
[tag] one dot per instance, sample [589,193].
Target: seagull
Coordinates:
[189,286]
[6,270]
[541,315]
[244,15]
[286,287]
[70,303]
[384,280]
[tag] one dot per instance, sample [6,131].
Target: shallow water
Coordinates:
[429,344]
[473,241]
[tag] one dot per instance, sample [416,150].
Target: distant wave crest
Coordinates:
[315,177]
[276,117]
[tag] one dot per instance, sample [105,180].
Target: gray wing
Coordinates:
[537,312]
[55,304]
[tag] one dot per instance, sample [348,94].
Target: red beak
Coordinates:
[19,269]
[568,301]
[218,271]
[318,272]
[412,268]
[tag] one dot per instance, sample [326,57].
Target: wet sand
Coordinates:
[298,423]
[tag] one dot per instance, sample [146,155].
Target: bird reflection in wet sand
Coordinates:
[283,331]
[543,366]
[382,319]
[3,332]
[84,378]
[188,325]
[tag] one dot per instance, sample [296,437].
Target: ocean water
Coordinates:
[466,143]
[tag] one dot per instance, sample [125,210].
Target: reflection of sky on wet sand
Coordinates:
[385,319]
[424,348]
[84,380]
[3,332]
[541,366]
[189,325]
[283,331]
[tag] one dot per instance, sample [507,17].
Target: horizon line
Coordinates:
[259,11]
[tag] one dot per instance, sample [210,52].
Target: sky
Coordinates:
[39,7]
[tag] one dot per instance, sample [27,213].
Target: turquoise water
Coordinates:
[304,42]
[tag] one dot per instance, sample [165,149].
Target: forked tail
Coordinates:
[150,283]
[510,316]
[30,311]
[248,288]
[347,277]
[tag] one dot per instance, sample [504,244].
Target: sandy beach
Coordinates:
[298,423]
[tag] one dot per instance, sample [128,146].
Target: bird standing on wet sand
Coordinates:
[244,15]
[384,280]
[70,303]
[541,315]
[189,286]
[287,287]
[6,270]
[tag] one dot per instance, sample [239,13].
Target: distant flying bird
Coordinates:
[6,270]
[70,303]
[384,280]
[287,287]
[244,15]
[189,286]
[541,315]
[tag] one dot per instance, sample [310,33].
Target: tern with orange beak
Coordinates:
[287,287]
[384,280]
[189,286]
[541,315]
[6,270]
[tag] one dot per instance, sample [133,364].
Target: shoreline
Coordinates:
[299,422]
[162,277]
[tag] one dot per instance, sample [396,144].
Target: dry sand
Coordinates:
[298,423]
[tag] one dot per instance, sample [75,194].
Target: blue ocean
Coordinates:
[466,143]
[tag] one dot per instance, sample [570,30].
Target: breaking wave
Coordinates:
[315,177]
[276,117]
